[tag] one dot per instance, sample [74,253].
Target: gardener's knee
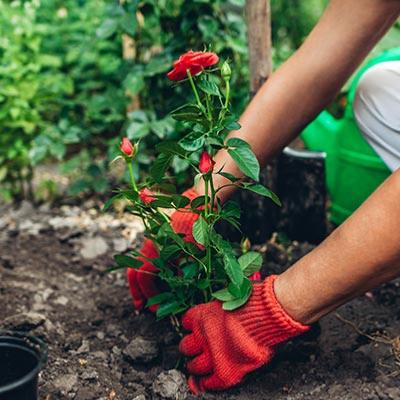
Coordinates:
[377,110]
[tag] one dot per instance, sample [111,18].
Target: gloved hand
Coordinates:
[143,281]
[227,345]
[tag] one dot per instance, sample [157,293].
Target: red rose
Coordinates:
[147,196]
[206,163]
[194,61]
[127,147]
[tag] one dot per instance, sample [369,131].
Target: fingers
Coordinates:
[193,386]
[213,382]
[189,318]
[190,346]
[200,365]
[137,296]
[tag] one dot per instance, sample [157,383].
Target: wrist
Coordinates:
[265,318]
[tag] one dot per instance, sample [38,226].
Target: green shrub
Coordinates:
[30,88]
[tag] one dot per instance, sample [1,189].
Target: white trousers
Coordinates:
[377,110]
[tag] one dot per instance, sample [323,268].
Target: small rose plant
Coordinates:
[208,266]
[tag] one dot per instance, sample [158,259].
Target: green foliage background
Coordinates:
[65,87]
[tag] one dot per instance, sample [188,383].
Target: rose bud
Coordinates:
[147,196]
[245,245]
[206,163]
[226,71]
[127,147]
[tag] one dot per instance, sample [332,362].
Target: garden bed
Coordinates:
[53,284]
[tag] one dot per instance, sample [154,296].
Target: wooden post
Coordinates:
[258,18]
[129,53]
[259,217]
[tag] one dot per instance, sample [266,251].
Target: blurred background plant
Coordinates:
[77,75]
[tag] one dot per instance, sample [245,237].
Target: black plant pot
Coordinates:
[21,358]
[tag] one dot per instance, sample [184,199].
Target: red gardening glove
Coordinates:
[227,345]
[143,281]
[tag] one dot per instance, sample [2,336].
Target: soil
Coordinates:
[53,284]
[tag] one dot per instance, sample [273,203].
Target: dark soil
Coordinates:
[85,315]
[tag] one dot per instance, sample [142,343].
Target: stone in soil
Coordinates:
[24,322]
[171,385]
[141,350]
[93,247]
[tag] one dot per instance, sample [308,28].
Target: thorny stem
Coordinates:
[227,94]
[196,94]
[132,176]
[209,113]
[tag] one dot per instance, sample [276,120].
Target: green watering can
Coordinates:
[353,169]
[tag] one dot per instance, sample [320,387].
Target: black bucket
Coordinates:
[21,358]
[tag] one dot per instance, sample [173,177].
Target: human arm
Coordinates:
[308,80]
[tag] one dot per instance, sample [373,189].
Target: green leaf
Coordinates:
[137,130]
[187,112]
[162,127]
[160,166]
[200,231]
[129,23]
[190,270]
[127,262]
[231,209]
[169,252]
[231,124]
[231,264]
[198,202]
[180,201]
[237,142]
[250,262]
[107,28]
[171,148]
[208,87]
[223,295]
[244,157]
[229,176]
[263,191]
[203,284]
[162,201]
[159,298]
[169,308]
[193,142]
[234,304]
[134,83]
[233,270]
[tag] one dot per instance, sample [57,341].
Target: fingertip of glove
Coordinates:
[193,386]
[153,308]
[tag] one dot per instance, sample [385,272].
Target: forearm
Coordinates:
[360,255]
[309,80]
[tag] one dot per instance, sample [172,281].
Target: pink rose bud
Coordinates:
[206,163]
[147,196]
[127,147]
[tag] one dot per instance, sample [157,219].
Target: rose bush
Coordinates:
[190,262]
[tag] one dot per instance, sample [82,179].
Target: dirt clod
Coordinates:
[141,350]
[171,385]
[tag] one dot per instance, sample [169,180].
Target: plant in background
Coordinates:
[30,87]
[206,266]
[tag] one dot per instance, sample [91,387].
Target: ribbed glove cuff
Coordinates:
[265,319]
